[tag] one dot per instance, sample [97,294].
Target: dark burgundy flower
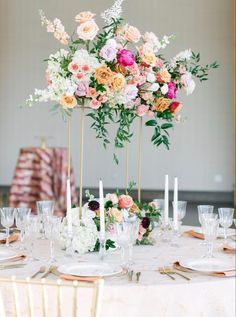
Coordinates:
[93,205]
[145,222]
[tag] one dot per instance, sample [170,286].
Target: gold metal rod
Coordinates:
[126,166]
[69,148]
[81,160]
[140,157]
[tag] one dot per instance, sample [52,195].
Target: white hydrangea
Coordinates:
[83,57]
[85,234]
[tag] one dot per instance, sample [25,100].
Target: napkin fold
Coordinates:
[229,249]
[195,234]
[78,278]
[179,267]
[12,238]
[16,258]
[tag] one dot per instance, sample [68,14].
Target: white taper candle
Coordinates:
[68,205]
[101,203]
[166,205]
[175,204]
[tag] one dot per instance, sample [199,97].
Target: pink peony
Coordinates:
[142,110]
[125,201]
[125,57]
[172,89]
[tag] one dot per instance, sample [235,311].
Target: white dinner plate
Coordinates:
[6,254]
[231,244]
[89,269]
[208,265]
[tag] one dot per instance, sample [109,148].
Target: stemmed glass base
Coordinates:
[102,249]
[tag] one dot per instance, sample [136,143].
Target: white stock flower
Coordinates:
[183,55]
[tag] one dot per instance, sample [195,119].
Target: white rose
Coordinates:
[151,78]
[154,87]
[164,89]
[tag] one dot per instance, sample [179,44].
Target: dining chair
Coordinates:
[44,298]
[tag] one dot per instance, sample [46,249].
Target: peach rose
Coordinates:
[142,110]
[84,16]
[104,75]
[118,82]
[92,92]
[125,201]
[161,104]
[113,198]
[87,30]
[95,104]
[132,34]
[121,69]
[134,208]
[147,55]
[68,101]
[116,214]
[164,76]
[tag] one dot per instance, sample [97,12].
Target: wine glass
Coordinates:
[21,215]
[32,231]
[7,220]
[160,205]
[44,208]
[203,210]
[133,228]
[181,213]
[226,220]
[123,240]
[210,228]
[52,231]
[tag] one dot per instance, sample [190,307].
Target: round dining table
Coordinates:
[154,294]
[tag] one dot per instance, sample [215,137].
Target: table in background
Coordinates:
[41,175]
[156,295]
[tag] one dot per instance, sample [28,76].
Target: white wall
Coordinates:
[201,147]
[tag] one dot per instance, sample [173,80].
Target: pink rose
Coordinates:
[150,113]
[175,107]
[125,201]
[73,68]
[92,92]
[87,30]
[132,34]
[125,57]
[172,89]
[95,104]
[142,110]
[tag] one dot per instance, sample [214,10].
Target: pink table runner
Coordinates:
[41,175]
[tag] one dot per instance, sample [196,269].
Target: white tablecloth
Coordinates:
[157,295]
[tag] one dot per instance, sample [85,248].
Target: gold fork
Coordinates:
[163,271]
[172,271]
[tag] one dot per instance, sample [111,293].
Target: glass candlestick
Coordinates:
[166,236]
[102,248]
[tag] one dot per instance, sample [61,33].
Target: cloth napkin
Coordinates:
[195,234]
[179,267]
[12,238]
[229,249]
[78,278]
[16,258]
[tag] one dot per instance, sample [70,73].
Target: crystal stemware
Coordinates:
[203,210]
[226,220]
[210,228]
[7,220]
[133,227]
[44,208]
[123,240]
[21,215]
[32,231]
[52,232]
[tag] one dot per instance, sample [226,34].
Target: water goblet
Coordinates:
[21,215]
[133,224]
[210,228]
[203,210]
[32,231]
[226,220]
[123,240]
[160,203]
[7,220]
[44,208]
[52,231]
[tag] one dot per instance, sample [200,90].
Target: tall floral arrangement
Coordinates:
[118,73]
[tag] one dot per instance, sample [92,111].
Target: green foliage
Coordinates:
[110,244]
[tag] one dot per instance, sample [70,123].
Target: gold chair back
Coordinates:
[44,298]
